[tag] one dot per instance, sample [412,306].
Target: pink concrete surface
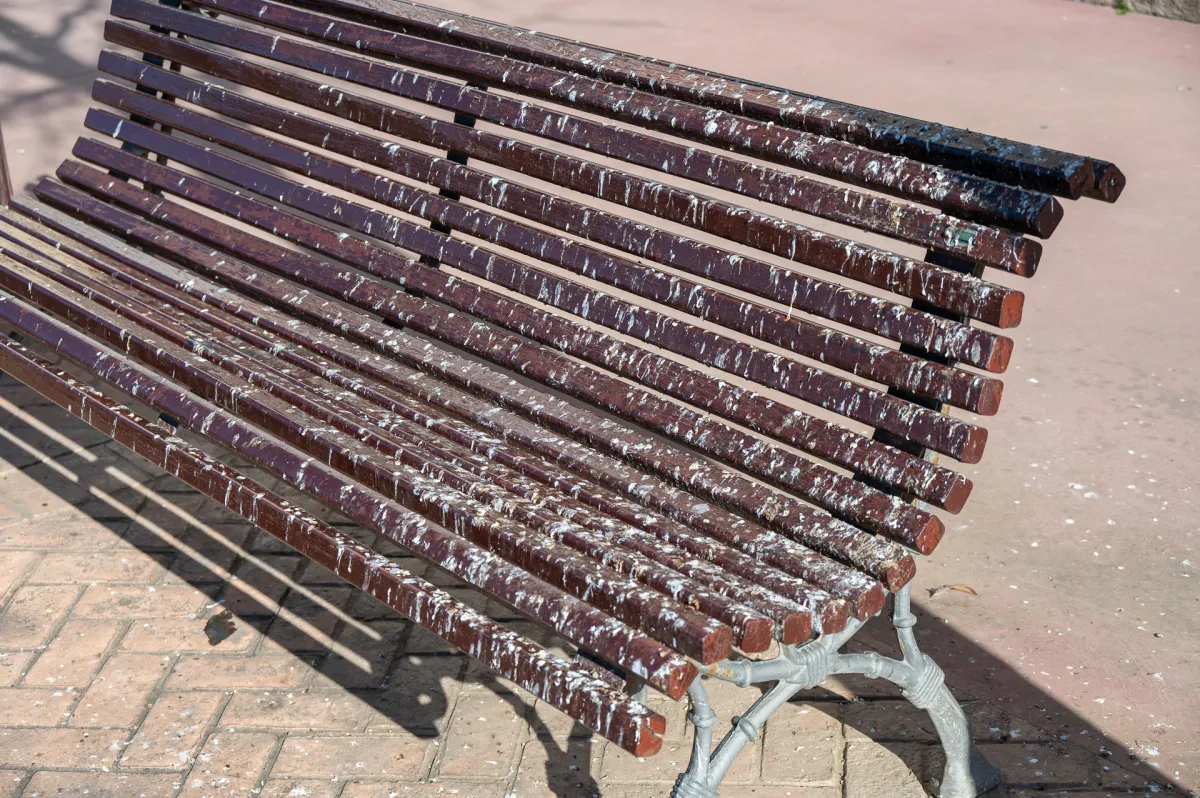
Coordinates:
[1081,538]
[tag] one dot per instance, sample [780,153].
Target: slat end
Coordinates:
[834,616]
[999,357]
[976,442]
[756,635]
[796,628]
[930,536]
[1027,254]
[956,498]
[1011,310]
[990,393]
[1048,218]
[1108,184]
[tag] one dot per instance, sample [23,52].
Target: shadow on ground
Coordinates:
[354,642]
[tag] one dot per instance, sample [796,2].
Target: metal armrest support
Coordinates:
[967,773]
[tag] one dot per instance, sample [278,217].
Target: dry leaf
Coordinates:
[938,591]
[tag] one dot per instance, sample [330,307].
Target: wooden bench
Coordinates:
[497,296]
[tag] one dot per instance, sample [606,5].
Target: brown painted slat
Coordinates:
[944,288]
[904,419]
[943,337]
[893,368]
[440,392]
[780,467]
[672,623]
[571,688]
[570,617]
[1037,168]
[443,409]
[627,551]
[791,601]
[973,197]
[777,511]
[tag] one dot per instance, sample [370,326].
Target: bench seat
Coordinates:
[551,317]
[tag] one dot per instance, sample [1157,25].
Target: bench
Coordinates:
[498,297]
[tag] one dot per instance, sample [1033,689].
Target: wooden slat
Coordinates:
[773,509]
[931,333]
[882,364]
[969,196]
[1028,166]
[573,619]
[908,421]
[798,474]
[573,689]
[359,365]
[943,288]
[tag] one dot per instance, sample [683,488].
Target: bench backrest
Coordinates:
[590,203]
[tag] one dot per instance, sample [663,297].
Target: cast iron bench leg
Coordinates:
[967,775]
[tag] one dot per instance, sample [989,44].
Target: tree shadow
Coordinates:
[25,49]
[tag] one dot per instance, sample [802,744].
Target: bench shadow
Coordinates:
[288,604]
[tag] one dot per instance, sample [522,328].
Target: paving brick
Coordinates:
[12,514]
[170,734]
[74,655]
[102,785]
[32,614]
[121,691]
[166,635]
[259,588]
[60,748]
[278,709]
[238,673]
[887,721]
[418,696]
[26,706]
[483,739]
[13,566]
[438,789]
[356,756]
[895,769]
[71,530]
[59,568]
[307,622]
[549,769]
[620,767]
[139,601]
[230,764]
[301,788]
[10,783]
[803,745]
[1048,764]
[12,664]
[361,659]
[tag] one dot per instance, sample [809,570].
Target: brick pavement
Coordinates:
[152,644]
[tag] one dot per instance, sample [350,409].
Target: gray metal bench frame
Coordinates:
[967,772]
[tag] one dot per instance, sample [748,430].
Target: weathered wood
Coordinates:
[571,688]
[1036,168]
[570,617]
[571,419]
[966,195]
[893,515]
[906,276]
[922,330]
[641,320]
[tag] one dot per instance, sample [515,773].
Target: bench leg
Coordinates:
[967,773]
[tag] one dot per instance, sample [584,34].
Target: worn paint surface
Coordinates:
[325,354]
